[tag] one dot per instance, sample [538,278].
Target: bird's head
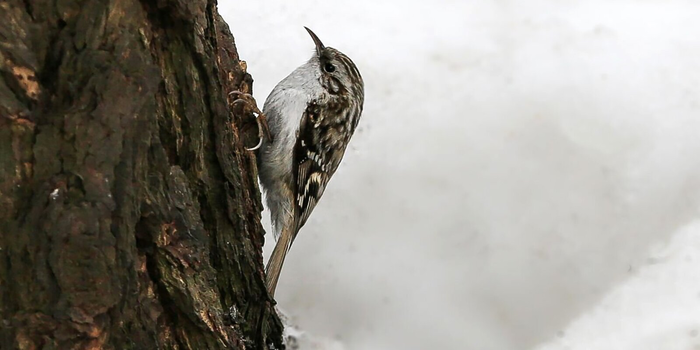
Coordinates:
[338,72]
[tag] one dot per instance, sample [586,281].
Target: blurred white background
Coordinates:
[526,174]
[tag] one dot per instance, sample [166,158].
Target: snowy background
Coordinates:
[526,174]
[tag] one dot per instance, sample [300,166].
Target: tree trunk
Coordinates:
[129,207]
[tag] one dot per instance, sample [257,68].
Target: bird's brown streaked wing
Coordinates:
[315,161]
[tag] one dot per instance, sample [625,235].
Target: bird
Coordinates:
[311,116]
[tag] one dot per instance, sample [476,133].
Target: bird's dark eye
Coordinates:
[329,67]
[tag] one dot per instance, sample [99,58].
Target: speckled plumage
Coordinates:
[312,113]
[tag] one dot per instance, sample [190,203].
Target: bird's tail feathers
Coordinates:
[274,265]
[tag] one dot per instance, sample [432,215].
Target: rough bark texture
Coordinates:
[129,208]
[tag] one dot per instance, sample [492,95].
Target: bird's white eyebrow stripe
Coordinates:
[349,66]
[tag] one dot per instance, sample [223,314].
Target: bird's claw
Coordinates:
[249,102]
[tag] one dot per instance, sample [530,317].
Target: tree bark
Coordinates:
[129,207]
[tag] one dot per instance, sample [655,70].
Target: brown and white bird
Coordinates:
[311,114]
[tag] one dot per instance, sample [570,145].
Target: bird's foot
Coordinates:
[252,107]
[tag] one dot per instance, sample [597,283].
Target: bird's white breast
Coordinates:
[284,109]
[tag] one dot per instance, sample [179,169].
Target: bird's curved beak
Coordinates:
[317,41]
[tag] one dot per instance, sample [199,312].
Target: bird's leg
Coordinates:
[250,105]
